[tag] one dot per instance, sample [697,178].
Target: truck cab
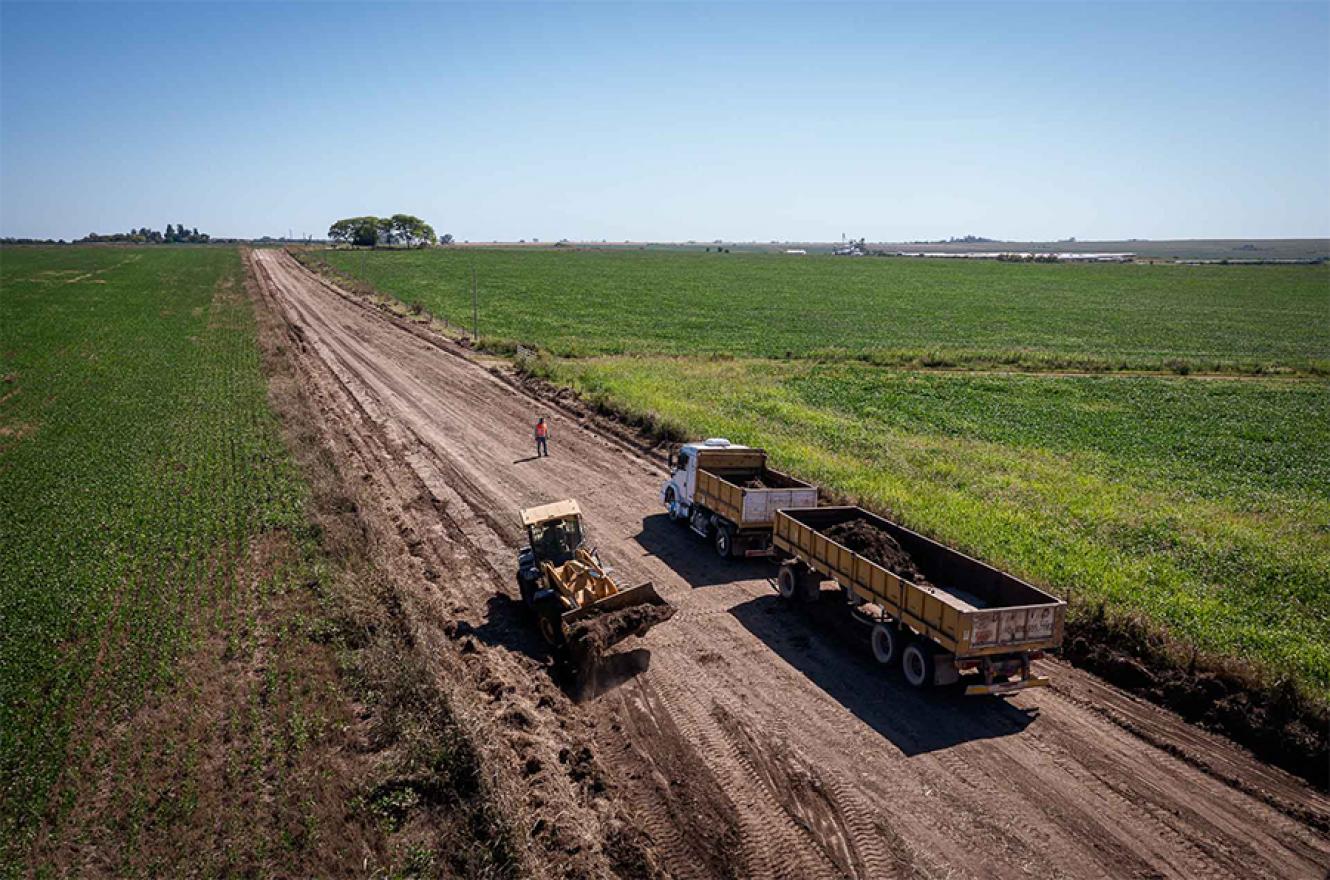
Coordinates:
[677,493]
[726,493]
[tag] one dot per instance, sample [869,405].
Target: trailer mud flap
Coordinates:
[1006,687]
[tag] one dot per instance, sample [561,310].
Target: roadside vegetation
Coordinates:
[200,678]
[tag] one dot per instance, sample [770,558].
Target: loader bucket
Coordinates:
[593,629]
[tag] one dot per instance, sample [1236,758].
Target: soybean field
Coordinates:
[896,311]
[139,468]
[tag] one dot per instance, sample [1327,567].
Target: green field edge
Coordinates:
[948,359]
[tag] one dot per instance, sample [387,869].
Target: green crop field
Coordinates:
[1202,504]
[890,311]
[138,462]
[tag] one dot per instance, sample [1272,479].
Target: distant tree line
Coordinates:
[399,229]
[173,235]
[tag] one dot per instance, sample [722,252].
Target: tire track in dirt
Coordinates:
[769,718]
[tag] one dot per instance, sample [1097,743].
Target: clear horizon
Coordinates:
[670,122]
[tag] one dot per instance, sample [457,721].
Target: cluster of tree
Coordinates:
[172,235]
[399,229]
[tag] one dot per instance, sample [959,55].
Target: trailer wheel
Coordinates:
[724,542]
[787,583]
[884,639]
[917,664]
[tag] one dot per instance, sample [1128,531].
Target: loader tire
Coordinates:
[917,664]
[551,629]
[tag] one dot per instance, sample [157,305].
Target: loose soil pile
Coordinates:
[592,636]
[1274,721]
[755,483]
[877,546]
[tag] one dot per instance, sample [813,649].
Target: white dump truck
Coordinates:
[726,493]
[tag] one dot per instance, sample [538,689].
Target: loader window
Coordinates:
[557,540]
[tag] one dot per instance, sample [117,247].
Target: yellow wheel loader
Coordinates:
[577,604]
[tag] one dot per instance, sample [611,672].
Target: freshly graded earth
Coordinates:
[742,737]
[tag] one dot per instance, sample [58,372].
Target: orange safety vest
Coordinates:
[542,430]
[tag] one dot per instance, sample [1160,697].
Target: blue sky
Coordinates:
[742,121]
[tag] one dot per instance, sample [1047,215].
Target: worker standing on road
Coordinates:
[542,438]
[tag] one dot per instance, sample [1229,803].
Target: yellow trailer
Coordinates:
[969,617]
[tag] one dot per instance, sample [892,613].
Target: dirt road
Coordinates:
[754,740]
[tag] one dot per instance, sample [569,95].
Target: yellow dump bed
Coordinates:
[722,486]
[973,611]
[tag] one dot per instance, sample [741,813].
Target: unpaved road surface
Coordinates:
[756,740]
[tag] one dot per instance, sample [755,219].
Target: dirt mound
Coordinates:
[1274,721]
[876,545]
[592,636]
[755,483]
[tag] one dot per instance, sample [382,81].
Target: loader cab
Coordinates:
[553,532]
[555,540]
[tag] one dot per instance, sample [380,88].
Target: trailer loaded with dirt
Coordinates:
[933,610]
[726,493]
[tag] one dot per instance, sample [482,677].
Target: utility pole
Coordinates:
[475,307]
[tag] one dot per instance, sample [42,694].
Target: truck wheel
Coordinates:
[787,583]
[917,664]
[724,542]
[672,505]
[884,638]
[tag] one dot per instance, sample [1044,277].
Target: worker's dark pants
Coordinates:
[542,446]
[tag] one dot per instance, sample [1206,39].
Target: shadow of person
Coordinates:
[525,460]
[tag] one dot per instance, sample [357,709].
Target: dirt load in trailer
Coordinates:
[935,611]
[725,492]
